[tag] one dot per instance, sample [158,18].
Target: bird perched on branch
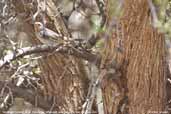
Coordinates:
[47,36]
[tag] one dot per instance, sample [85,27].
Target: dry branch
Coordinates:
[28,95]
[50,48]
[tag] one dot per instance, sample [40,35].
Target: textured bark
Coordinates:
[143,66]
[63,76]
[64,80]
[140,86]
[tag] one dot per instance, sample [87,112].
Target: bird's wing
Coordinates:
[50,33]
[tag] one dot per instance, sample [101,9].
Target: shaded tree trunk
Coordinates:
[141,87]
[64,80]
[64,77]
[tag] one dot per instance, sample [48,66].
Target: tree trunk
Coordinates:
[64,80]
[141,87]
[64,77]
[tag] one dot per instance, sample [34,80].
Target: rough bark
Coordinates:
[61,79]
[63,76]
[141,87]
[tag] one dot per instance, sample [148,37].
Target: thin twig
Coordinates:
[28,95]
[93,92]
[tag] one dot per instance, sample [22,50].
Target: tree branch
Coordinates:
[92,58]
[28,95]
[92,41]
[153,12]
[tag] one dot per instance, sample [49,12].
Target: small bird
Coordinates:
[45,35]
